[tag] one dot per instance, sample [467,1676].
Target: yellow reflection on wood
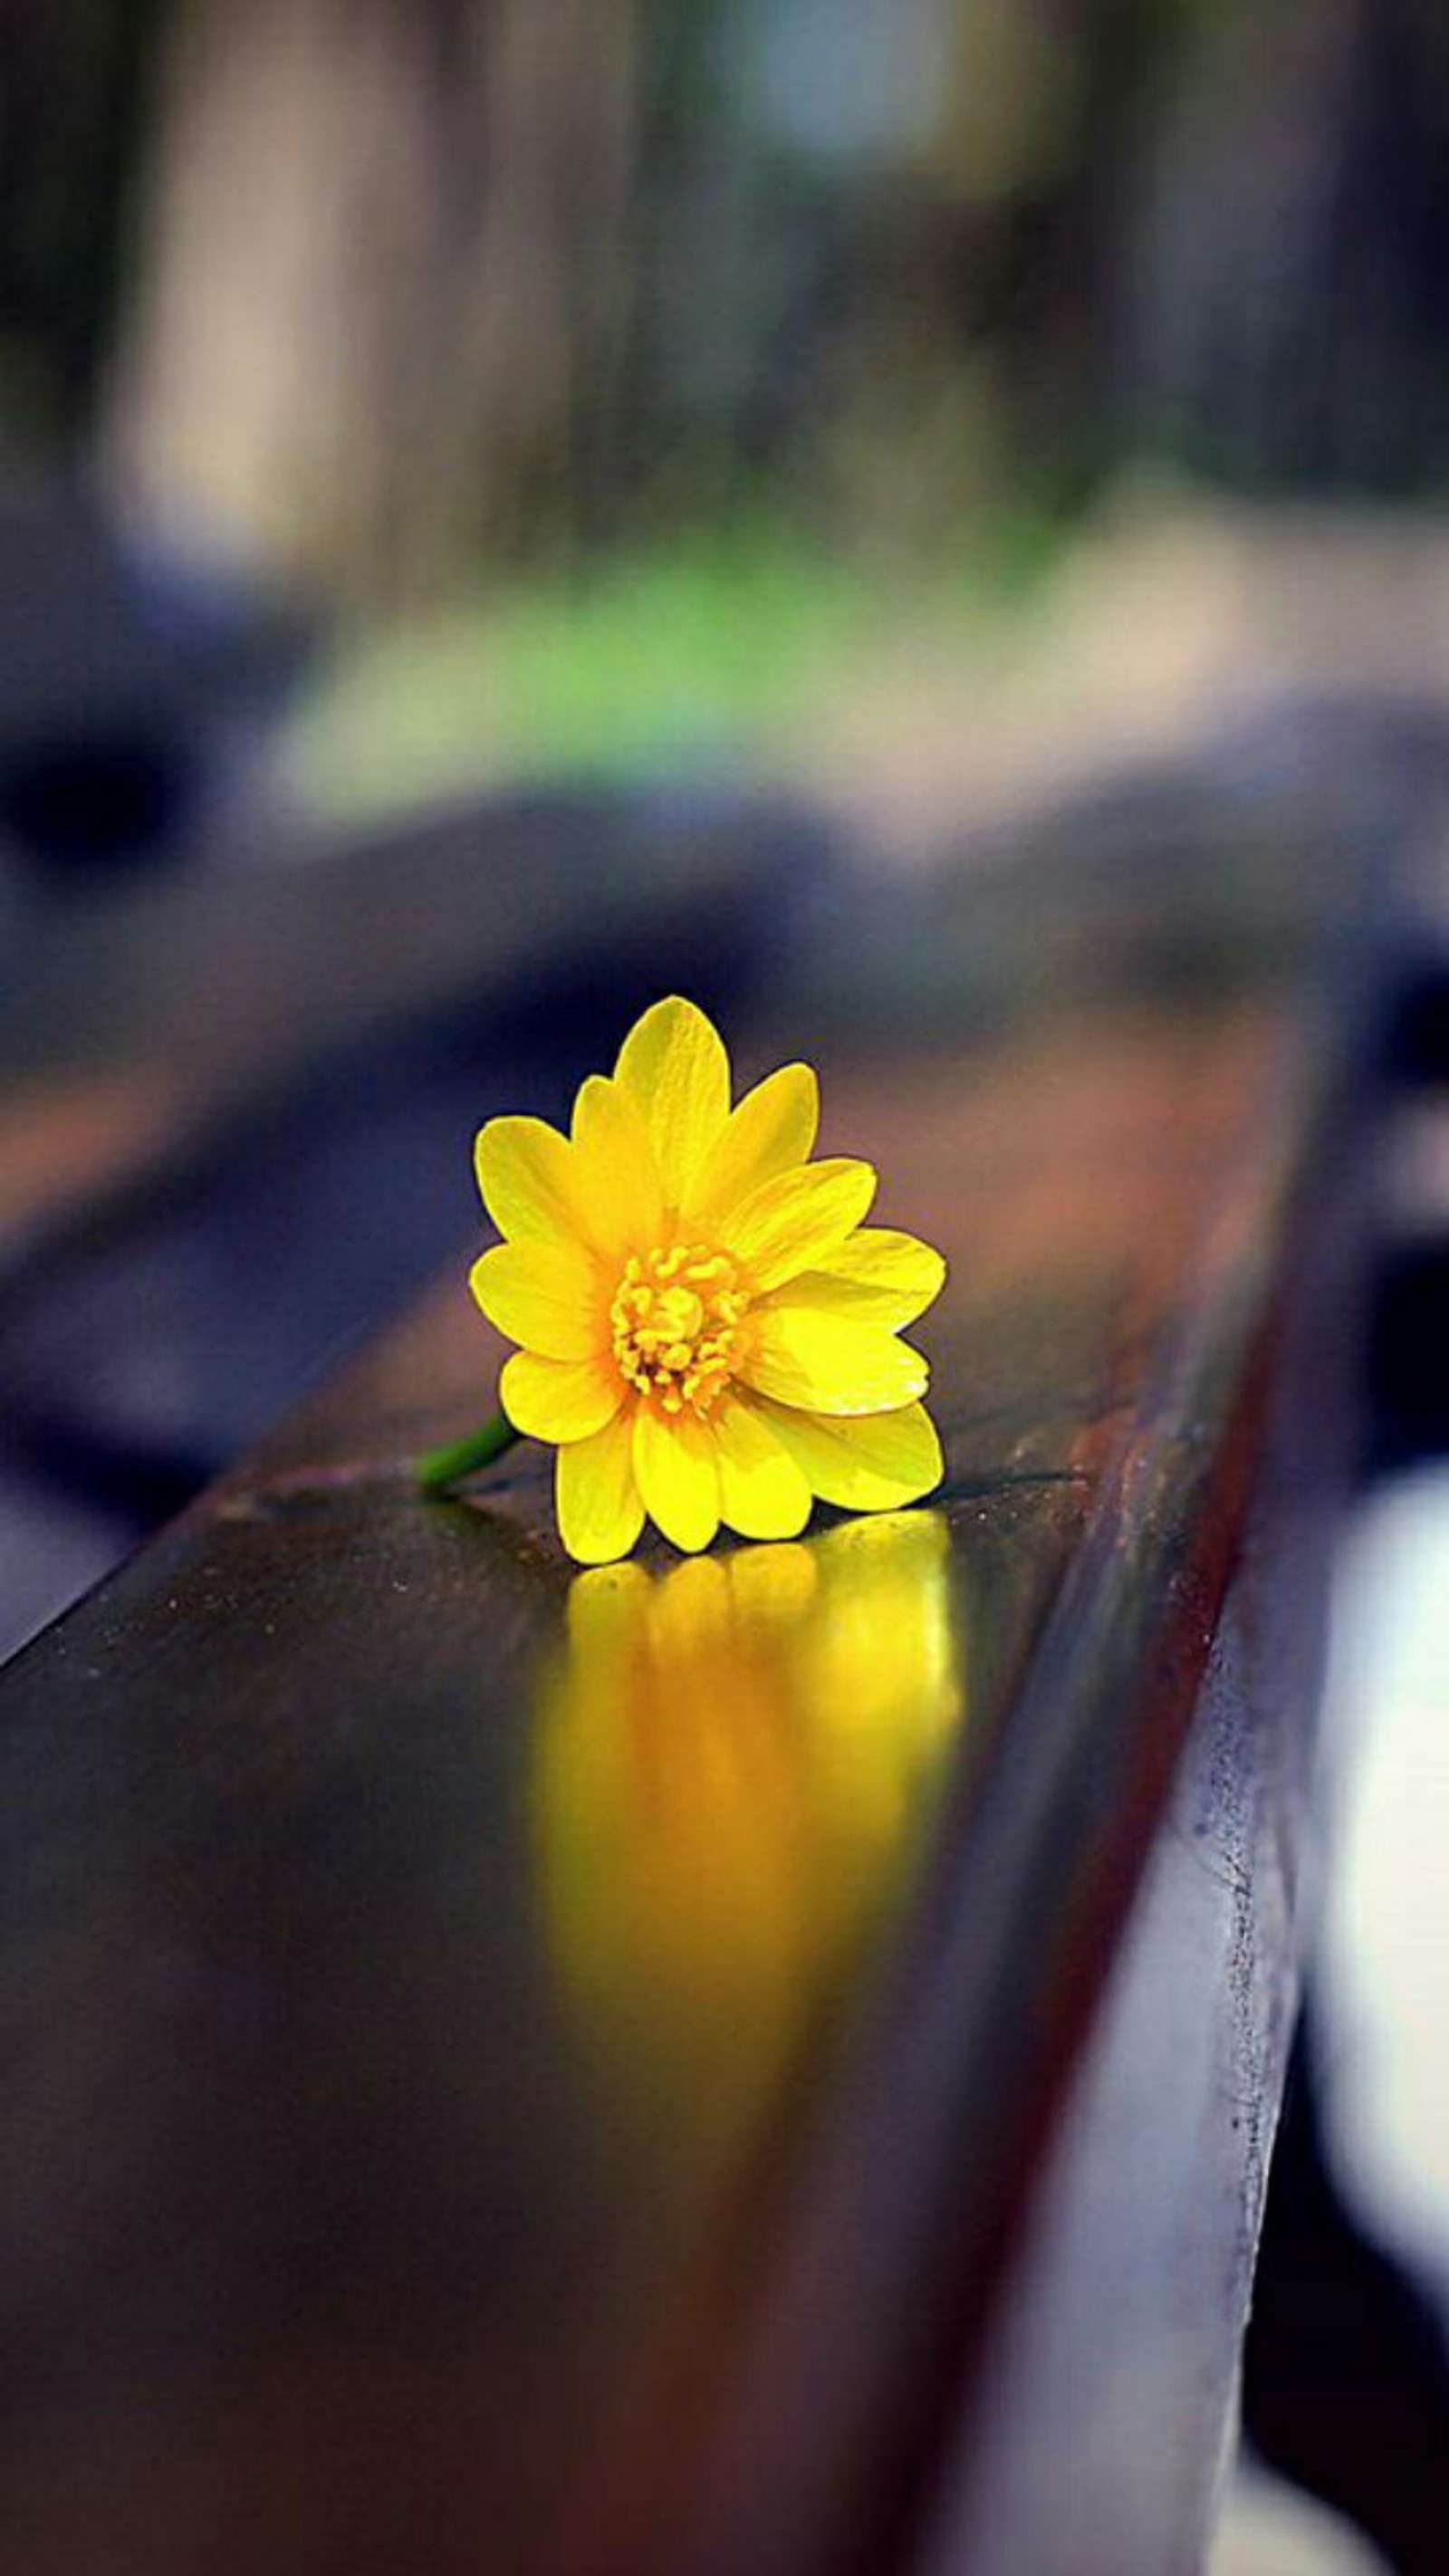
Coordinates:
[732,1760]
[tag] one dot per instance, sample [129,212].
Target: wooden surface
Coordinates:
[534,2073]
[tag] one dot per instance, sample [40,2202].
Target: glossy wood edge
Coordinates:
[907,2219]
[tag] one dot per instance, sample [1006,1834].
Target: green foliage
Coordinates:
[660,661]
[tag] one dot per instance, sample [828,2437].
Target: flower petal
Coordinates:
[673,1064]
[528,1175]
[771,1130]
[876,1277]
[558,1400]
[600,1512]
[827,1365]
[617,1180]
[675,1463]
[543,1294]
[763,1493]
[875,1463]
[797,1220]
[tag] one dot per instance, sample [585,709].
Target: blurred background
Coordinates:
[489,487]
[623,385]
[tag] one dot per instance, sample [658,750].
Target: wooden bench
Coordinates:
[762,2064]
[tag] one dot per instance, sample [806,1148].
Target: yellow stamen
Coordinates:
[674,1317]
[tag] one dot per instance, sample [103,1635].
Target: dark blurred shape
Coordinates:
[76,78]
[1419,1036]
[1346,2371]
[1291,315]
[131,683]
[72,803]
[1408,1348]
[1409,1355]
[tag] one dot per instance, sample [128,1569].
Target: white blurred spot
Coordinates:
[1385,1946]
[1270,2529]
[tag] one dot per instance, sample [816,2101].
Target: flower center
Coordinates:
[674,1316]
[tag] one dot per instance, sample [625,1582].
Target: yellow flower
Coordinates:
[708,1330]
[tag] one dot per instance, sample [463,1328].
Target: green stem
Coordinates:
[437,1469]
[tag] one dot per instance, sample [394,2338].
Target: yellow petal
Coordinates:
[673,1064]
[874,1464]
[600,1513]
[771,1130]
[826,1365]
[797,1220]
[617,1180]
[528,1175]
[558,1400]
[876,1276]
[675,1463]
[545,1295]
[763,1493]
